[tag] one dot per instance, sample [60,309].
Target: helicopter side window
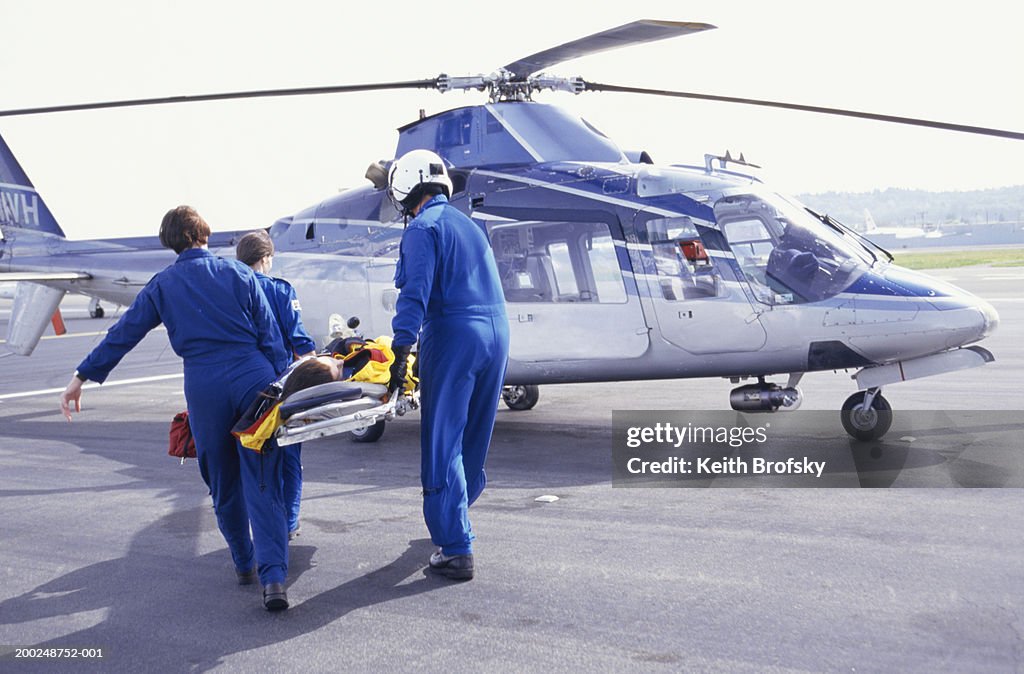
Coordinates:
[455,130]
[752,245]
[683,266]
[562,262]
[565,277]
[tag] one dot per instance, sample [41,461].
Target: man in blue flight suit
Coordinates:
[256,250]
[221,324]
[451,290]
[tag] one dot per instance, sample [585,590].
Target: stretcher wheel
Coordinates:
[521,397]
[370,433]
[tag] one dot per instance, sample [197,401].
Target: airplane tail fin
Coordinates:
[869,222]
[20,205]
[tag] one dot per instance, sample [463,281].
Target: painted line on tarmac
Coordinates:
[120,382]
[66,335]
[81,334]
[74,313]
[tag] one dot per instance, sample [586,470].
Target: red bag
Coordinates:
[182,445]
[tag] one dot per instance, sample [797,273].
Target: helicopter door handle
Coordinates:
[525,318]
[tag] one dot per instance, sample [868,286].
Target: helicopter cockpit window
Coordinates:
[540,261]
[684,268]
[357,238]
[785,254]
[455,130]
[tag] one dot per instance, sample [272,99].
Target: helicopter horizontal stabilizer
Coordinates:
[33,309]
[42,276]
[636,32]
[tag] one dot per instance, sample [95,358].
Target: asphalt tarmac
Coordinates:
[110,544]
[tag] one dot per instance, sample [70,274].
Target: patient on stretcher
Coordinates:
[311,372]
[351,379]
[316,382]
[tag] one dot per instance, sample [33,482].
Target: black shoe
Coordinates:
[456,567]
[274,597]
[246,577]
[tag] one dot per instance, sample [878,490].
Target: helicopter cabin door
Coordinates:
[565,292]
[700,304]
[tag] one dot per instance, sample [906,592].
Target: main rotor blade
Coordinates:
[637,32]
[964,128]
[267,93]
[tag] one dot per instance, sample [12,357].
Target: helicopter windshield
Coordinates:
[785,253]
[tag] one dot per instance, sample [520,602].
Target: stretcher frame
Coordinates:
[336,420]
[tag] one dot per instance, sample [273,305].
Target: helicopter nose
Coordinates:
[959,318]
[967,319]
[990,317]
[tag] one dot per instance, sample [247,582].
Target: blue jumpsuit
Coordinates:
[221,324]
[450,288]
[297,341]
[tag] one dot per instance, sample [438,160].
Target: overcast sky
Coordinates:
[244,164]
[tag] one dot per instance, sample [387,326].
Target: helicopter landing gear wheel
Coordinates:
[521,397]
[95,309]
[369,434]
[870,423]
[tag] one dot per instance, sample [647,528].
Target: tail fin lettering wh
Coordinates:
[20,205]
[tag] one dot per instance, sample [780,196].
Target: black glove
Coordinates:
[399,368]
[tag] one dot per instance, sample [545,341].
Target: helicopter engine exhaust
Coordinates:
[764,397]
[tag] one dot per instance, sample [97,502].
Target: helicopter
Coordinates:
[614,268]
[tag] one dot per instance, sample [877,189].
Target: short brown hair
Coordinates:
[305,375]
[182,228]
[253,247]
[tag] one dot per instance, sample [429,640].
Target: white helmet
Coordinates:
[415,168]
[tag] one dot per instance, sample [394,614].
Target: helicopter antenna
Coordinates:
[727,158]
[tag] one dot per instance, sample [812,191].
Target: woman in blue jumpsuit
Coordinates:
[221,324]
[450,288]
[256,249]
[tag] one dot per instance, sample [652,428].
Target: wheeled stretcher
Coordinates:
[338,407]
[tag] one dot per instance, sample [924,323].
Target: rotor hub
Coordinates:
[503,85]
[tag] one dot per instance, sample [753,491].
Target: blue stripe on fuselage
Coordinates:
[894,283]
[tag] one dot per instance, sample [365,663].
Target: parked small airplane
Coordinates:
[614,268]
[873,231]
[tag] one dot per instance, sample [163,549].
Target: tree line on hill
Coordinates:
[895,207]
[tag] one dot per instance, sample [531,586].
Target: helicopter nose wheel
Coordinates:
[866,415]
[521,397]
